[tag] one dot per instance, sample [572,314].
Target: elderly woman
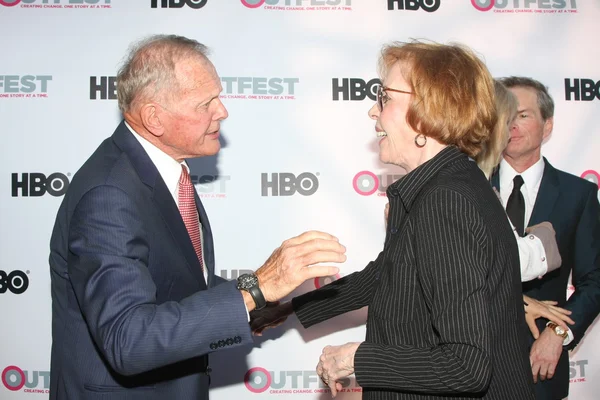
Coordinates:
[445,316]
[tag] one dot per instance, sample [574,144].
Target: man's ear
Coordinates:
[548,126]
[150,115]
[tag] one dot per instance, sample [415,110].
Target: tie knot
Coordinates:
[518,182]
[184,179]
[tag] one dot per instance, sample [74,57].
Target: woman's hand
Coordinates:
[535,309]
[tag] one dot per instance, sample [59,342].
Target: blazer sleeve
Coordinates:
[107,267]
[349,293]
[219,280]
[585,301]
[453,261]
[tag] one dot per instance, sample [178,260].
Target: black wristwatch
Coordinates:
[249,283]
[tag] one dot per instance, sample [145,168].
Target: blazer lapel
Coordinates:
[161,196]
[547,195]
[207,242]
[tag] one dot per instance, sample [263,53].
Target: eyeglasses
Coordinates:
[380,92]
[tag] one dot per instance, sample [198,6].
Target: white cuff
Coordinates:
[568,339]
[532,257]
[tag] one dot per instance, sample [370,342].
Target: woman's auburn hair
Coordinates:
[453,100]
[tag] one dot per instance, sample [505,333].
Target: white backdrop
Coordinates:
[283,62]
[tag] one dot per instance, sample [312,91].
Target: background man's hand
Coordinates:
[544,355]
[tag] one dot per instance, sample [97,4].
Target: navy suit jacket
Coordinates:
[132,316]
[571,204]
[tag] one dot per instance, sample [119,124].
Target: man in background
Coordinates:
[532,191]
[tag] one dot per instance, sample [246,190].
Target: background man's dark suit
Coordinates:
[445,313]
[570,203]
[122,259]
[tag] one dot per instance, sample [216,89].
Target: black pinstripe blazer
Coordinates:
[445,314]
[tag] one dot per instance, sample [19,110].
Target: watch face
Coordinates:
[559,331]
[246,281]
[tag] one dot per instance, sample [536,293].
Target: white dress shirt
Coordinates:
[170,171]
[531,250]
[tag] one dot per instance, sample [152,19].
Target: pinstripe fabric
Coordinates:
[445,309]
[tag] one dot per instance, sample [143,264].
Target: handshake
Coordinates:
[290,265]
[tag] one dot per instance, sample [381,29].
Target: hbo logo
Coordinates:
[582,89]
[17,282]
[178,3]
[287,184]
[354,89]
[412,5]
[36,184]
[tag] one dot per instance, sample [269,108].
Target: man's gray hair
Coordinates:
[150,67]
[545,102]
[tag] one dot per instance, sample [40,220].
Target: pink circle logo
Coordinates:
[489,4]
[592,176]
[248,3]
[365,183]
[11,372]
[257,380]
[9,4]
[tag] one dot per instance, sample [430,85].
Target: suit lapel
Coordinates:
[161,196]
[207,239]
[547,195]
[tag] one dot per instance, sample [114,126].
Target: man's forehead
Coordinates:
[196,72]
[524,91]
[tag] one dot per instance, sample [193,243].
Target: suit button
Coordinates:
[214,346]
[229,342]
[237,339]
[221,343]
[394,231]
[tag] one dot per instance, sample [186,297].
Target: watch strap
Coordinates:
[258,297]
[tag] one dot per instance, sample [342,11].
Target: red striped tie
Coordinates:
[189,213]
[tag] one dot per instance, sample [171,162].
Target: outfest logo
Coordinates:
[81,4]
[527,6]
[260,380]
[367,183]
[300,5]
[16,379]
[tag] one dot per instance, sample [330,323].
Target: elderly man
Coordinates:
[532,191]
[136,306]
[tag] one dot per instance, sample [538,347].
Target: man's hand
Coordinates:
[293,263]
[544,355]
[336,362]
[535,309]
[273,315]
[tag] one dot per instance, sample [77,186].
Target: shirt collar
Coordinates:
[408,187]
[168,168]
[532,176]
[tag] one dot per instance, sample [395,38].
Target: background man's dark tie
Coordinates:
[515,206]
